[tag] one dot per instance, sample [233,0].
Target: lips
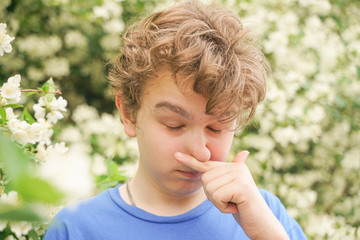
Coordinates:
[190,174]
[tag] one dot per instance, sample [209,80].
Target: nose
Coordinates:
[198,146]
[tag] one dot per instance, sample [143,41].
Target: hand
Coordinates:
[231,188]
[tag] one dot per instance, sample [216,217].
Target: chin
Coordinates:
[187,188]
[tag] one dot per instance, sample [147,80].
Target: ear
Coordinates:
[129,125]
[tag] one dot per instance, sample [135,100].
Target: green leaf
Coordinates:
[49,86]
[3,115]
[14,105]
[358,72]
[112,167]
[16,162]
[17,166]
[107,184]
[31,93]
[16,213]
[33,234]
[341,102]
[36,189]
[113,171]
[27,116]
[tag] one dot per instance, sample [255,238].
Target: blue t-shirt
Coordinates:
[108,216]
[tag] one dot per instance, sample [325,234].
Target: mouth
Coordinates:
[190,174]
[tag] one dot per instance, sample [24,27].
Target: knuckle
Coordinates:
[217,196]
[205,178]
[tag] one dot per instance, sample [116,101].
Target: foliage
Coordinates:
[70,41]
[29,157]
[23,190]
[304,141]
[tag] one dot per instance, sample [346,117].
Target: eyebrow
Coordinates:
[173,108]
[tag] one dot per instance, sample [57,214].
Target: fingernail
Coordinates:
[179,155]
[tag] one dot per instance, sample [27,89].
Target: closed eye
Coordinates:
[214,130]
[177,128]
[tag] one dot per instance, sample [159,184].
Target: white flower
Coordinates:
[11,92]
[99,165]
[40,47]
[19,131]
[11,89]
[3,101]
[110,42]
[20,228]
[54,116]
[70,172]
[109,9]
[75,39]
[114,26]
[101,12]
[316,114]
[84,112]
[24,133]
[129,168]
[58,104]
[285,135]
[20,136]
[39,111]
[45,153]
[71,134]
[10,198]
[321,225]
[5,40]
[9,113]
[54,108]
[2,225]
[321,7]
[276,39]
[57,67]
[35,74]
[351,160]
[13,124]
[57,149]
[45,131]
[15,79]
[34,131]
[41,151]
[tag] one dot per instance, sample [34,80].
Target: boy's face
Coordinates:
[169,121]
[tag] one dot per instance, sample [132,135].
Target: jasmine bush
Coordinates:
[304,142]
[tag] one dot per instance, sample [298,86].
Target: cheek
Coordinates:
[220,149]
[160,145]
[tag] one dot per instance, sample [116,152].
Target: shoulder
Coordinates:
[75,218]
[291,225]
[95,204]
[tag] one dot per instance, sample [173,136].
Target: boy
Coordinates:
[185,79]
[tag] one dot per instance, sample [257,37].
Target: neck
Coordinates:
[152,197]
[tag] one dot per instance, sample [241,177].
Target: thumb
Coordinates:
[241,156]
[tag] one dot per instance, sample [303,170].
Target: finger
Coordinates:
[223,199]
[231,208]
[241,156]
[211,185]
[195,164]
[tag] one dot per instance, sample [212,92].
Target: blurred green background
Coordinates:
[304,140]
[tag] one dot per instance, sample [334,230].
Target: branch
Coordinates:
[40,91]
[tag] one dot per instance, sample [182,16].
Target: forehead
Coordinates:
[165,92]
[166,84]
[162,93]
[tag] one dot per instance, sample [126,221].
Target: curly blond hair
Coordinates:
[209,45]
